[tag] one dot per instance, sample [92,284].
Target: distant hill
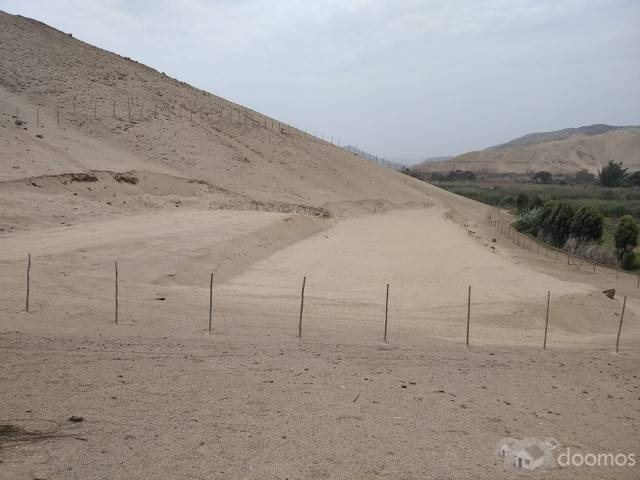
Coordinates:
[561,151]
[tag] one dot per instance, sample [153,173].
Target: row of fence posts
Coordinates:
[203,114]
[301,311]
[506,229]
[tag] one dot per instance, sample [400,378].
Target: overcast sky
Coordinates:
[403,79]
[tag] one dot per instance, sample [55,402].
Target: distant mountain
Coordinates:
[561,151]
[542,137]
[437,159]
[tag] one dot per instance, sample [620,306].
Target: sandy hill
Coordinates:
[68,107]
[562,151]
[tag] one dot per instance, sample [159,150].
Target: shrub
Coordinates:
[634,179]
[522,202]
[587,223]
[543,177]
[626,236]
[628,260]
[536,202]
[529,221]
[585,176]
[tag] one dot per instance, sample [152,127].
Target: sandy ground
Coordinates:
[261,205]
[213,408]
[161,399]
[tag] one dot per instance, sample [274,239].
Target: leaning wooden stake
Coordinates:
[28,281]
[210,302]
[546,324]
[624,306]
[304,281]
[386,314]
[468,314]
[116,293]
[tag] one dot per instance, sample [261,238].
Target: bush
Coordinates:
[543,177]
[522,202]
[628,260]
[529,221]
[587,223]
[584,176]
[626,236]
[634,179]
[536,202]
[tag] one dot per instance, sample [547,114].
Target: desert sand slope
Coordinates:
[567,155]
[116,115]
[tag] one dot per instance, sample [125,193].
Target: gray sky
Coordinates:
[404,79]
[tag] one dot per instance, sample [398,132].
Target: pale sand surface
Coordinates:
[260,207]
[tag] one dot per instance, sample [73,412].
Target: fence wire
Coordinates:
[329,313]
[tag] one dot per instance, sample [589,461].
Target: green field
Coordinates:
[613,203]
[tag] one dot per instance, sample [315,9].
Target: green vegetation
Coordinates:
[626,239]
[557,222]
[611,202]
[613,174]
[568,211]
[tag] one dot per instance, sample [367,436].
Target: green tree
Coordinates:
[536,202]
[522,202]
[561,226]
[587,223]
[613,174]
[543,177]
[626,236]
[585,176]
[634,179]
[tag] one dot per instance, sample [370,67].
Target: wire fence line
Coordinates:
[497,220]
[77,111]
[328,312]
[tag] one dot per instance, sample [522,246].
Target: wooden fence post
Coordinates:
[304,281]
[468,314]
[116,293]
[28,281]
[210,301]
[114,108]
[75,117]
[624,306]
[546,324]
[58,115]
[37,117]
[129,108]
[95,109]
[386,314]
